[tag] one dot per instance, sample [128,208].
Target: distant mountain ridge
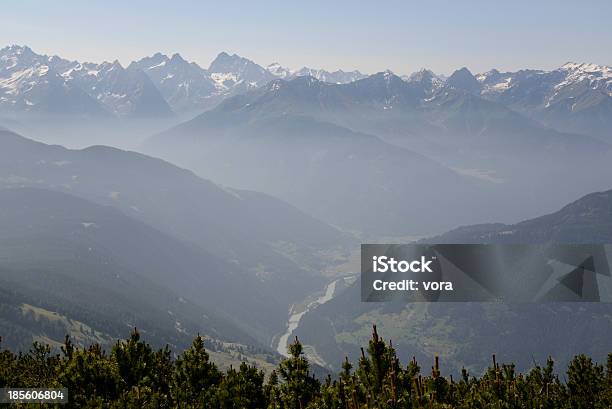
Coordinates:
[302,127]
[283,142]
[188,87]
[576,97]
[227,75]
[333,77]
[587,220]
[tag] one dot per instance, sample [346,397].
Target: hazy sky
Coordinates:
[399,35]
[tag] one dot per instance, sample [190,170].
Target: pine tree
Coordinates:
[7,367]
[272,391]
[585,382]
[135,360]
[242,389]
[298,387]
[195,376]
[36,368]
[89,375]
[606,399]
[134,376]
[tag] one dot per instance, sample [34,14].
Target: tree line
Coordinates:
[134,375]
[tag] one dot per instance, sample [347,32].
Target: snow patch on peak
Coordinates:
[279,71]
[158,65]
[598,76]
[602,71]
[388,74]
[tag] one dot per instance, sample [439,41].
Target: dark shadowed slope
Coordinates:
[231,225]
[95,265]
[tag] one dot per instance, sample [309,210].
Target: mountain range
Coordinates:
[575,97]
[320,146]
[267,140]
[468,127]
[188,87]
[273,175]
[154,86]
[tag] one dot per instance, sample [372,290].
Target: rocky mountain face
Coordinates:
[463,80]
[28,83]
[575,97]
[38,83]
[186,86]
[229,70]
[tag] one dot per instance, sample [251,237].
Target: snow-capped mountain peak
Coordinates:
[428,80]
[598,76]
[335,77]
[35,80]
[587,67]
[17,57]
[155,61]
[225,62]
[184,85]
[150,86]
[229,71]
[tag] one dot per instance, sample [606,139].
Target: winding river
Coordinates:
[295,318]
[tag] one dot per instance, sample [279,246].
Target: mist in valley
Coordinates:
[229,209]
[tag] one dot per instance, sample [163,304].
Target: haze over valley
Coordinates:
[230,201]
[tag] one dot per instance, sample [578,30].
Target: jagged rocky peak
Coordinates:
[464,80]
